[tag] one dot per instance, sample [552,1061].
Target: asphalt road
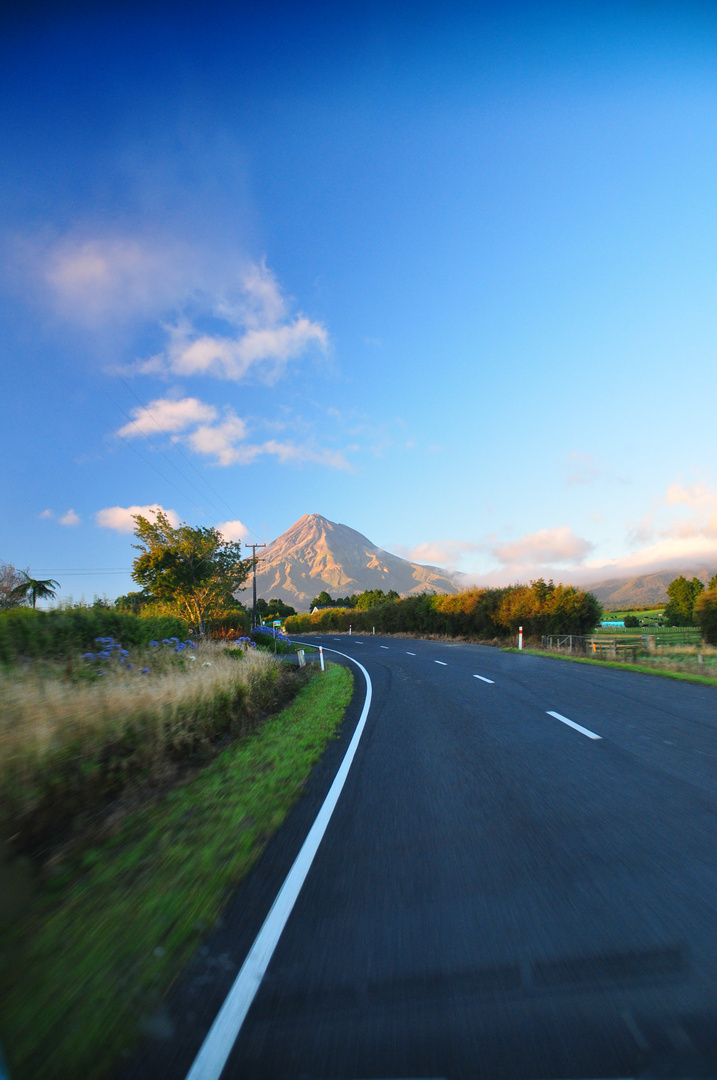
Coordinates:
[498,894]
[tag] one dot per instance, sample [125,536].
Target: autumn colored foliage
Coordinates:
[540,608]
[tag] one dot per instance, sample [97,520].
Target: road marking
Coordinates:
[410,653]
[222,1035]
[358,642]
[383,646]
[483,678]
[338,639]
[443,662]
[572,724]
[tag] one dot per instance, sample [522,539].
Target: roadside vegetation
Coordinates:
[96,938]
[477,614]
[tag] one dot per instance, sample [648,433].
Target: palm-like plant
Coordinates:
[34,587]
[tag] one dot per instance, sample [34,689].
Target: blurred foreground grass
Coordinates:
[95,948]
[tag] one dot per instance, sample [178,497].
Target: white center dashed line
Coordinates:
[410,653]
[572,724]
[441,662]
[383,646]
[483,679]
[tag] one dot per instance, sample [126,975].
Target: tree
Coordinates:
[322,600]
[194,569]
[706,613]
[631,621]
[682,594]
[34,588]
[10,580]
[712,583]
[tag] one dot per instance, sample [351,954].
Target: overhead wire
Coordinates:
[177,447]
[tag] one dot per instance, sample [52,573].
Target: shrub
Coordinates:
[706,615]
[63,632]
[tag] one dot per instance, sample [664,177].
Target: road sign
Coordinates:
[276,622]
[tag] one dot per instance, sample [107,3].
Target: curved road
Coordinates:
[519,880]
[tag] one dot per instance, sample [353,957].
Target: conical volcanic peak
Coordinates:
[317,555]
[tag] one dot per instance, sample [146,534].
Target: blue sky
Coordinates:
[446,274]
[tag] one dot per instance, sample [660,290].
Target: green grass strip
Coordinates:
[685,676]
[88,965]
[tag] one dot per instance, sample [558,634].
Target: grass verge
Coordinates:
[620,664]
[95,951]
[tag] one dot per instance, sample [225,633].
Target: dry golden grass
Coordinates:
[69,739]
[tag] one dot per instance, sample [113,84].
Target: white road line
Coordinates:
[338,639]
[217,1046]
[358,642]
[443,662]
[410,653]
[383,646]
[572,724]
[483,678]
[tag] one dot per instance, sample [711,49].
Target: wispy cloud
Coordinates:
[446,554]
[582,468]
[222,436]
[169,415]
[121,518]
[543,548]
[68,518]
[260,335]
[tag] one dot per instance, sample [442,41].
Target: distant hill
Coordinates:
[643,591]
[316,554]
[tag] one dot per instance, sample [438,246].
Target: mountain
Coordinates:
[316,554]
[643,591]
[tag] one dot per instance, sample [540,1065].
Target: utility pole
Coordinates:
[254,547]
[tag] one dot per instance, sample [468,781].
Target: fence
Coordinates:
[613,646]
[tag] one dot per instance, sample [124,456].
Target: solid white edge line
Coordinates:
[222,1035]
[443,662]
[572,724]
[483,679]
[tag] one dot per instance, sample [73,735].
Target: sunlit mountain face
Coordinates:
[317,555]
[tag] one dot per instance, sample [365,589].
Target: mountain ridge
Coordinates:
[316,554]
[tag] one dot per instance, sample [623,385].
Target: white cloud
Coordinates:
[70,518]
[222,441]
[233,530]
[169,415]
[101,279]
[542,548]
[223,438]
[442,553]
[120,518]
[261,335]
[47,514]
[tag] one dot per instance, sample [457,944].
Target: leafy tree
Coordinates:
[194,569]
[683,594]
[712,583]
[42,588]
[133,601]
[322,600]
[706,613]
[371,597]
[631,621]
[10,580]
[275,609]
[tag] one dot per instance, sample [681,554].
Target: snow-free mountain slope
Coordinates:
[316,554]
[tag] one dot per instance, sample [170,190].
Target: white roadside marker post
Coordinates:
[349,629]
[321,657]
[520,637]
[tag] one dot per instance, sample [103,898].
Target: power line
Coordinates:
[177,447]
[202,495]
[144,459]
